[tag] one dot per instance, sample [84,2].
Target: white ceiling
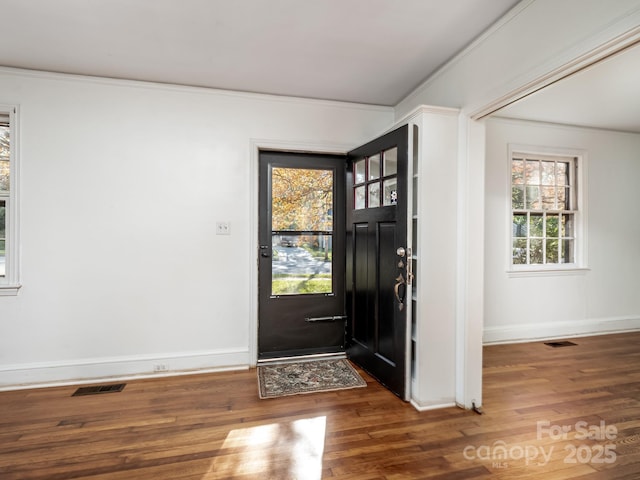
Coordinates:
[369,51]
[605,95]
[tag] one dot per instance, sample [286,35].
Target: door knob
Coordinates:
[401,251]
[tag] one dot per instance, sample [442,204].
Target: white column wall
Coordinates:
[121,187]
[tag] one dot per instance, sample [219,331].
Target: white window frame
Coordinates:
[10,283]
[579,179]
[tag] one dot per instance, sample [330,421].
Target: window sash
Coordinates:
[544,210]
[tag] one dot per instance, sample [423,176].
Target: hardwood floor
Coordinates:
[213,426]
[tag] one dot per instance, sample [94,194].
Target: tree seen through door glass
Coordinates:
[302,231]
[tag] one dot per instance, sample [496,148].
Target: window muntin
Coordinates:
[375,180]
[544,208]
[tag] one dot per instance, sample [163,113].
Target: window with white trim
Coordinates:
[9,283]
[544,211]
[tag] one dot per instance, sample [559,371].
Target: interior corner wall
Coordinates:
[121,186]
[602,299]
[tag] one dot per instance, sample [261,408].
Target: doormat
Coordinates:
[307,377]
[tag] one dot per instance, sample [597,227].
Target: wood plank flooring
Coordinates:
[213,426]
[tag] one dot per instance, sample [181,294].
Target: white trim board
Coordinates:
[48,374]
[436,406]
[553,330]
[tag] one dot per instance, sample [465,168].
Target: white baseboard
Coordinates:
[36,375]
[435,406]
[554,330]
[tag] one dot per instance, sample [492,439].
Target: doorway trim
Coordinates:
[257,144]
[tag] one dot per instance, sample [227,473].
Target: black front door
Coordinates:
[302,254]
[377,259]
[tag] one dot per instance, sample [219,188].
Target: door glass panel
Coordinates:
[302,199]
[374,195]
[359,169]
[390,162]
[359,197]
[374,167]
[390,187]
[302,227]
[301,264]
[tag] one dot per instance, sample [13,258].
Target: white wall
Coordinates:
[605,297]
[121,187]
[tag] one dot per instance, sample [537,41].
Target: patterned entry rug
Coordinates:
[307,377]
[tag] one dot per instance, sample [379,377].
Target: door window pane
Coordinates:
[374,167]
[359,193]
[302,199]
[359,171]
[374,195]
[390,162]
[301,264]
[390,187]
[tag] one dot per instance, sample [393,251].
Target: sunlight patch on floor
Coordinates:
[278,450]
